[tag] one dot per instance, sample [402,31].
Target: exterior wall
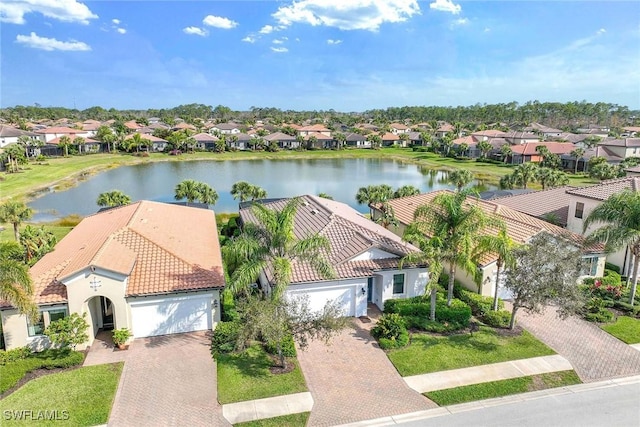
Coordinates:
[415,283]
[14,327]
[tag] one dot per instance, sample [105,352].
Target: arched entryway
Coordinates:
[102,314]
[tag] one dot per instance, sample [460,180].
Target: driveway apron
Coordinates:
[351,379]
[168,381]
[594,354]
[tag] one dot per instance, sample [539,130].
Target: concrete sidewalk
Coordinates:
[270,407]
[486,373]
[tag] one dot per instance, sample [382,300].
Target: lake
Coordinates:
[340,178]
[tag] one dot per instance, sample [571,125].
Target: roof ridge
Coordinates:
[104,245]
[142,236]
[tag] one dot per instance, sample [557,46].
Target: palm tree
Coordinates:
[244,191]
[551,178]
[113,198]
[460,178]
[429,254]
[36,242]
[207,194]
[525,173]
[621,215]
[271,243]
[65,142]
[457,224]
[485,148]
[374,194]
[405,191]
[15,213]
[188,189]
[577,153]
[16,286]
[506,151]
[502,246]
[258,193]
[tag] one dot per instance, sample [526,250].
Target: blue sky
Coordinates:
[346,55]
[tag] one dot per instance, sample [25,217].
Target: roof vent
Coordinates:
[313,211]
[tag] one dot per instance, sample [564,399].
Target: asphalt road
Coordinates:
[616,406]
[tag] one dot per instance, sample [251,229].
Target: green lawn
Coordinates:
[85,395]
[428,353]
[293,420]
[246,376]
[453,396]
[625,328]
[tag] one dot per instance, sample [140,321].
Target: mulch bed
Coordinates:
[276,369]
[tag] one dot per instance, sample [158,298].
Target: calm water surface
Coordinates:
[339,178]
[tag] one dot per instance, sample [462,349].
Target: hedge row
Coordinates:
[482,308]
[458,312]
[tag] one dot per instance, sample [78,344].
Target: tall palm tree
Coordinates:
[36,241]
[65,142]
[271,243]
[460,178]
[188,189]
[374,194]
[620,214]
[457,223]
[525,173]
[405,191]
[244,191]
[485,148]
[502,246]
[15,213]
[577,153]
[113,198]
[16,286]
[506,151]
[207,194]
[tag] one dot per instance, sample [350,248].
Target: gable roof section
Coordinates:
[155,244]
[622,142]
[605,189]
[540,203]
[520,227]
[11,132]
[60,129]
[349,233]
[529,148]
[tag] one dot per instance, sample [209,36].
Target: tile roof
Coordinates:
[155,244]
[205,137]
[529,148]
[146,136]
[10,132]
[520,227]
[279,136]
[349,233]
[540,203]
[621,142]
[56,141]
[605,189]
[314,128]
[398,126]
[60,129]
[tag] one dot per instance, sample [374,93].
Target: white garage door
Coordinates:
[162,316]
[319,297]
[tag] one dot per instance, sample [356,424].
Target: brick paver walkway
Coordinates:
[168,381]
[351,379]
[594,354]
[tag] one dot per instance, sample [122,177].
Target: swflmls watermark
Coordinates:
[35,415]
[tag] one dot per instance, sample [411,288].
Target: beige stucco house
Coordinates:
[520,227]
[154,268]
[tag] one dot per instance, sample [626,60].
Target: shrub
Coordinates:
[626,307]
[497,319]
[120,336]
[288,347]
[229,312]
[459,312]
[480,305]
[390,343]
[612,267]
[68,331]
[225,337]
[14,354]
[424,324]
[389,326]
[60,358]
[602,316]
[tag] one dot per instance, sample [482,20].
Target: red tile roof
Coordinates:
[163,248]
[60,129]
[529,148]
[606,189]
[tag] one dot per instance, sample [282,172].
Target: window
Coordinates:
[35,328]
[57,314]
[579,210]
[589,266]
[398,283]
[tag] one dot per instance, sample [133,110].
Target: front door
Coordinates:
[370,289]
[107,313]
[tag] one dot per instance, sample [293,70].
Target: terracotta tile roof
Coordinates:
[540,203]
[314,128]
[143,240]
[184,126]
[56,141]
[520,227]
[605,189]
[622,142]
[529,148]
[319,136]
[349,232]
[632,128]
[60,129]
[279,136]
[398,126]
[390,137]
[132,124]
[489,133]
[146,136]
[205,137]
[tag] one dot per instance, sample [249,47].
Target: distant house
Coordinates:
[622,147]
[365,256]
[134,267]
[357,140]
[238,141]
[10,135]
[205,141]
[398,128]
[314,130]
[51,133]
[225,128]
[520,227]
[322,140]
[156,144]
[527,152]
[283,140]
[88,146]
[183,126]
[389,139]
[443,130]
[518,138]
[631,131]
[545,131]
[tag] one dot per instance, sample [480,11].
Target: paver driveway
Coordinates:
[594,354]
[351,379]
[168,381]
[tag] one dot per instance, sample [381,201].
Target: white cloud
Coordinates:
[459,22]
[121,30]
[219,22]
[446,6]
[249,39]
[331,41]
[116,21]
[63,10]
[44,43]
[278,41]
[601,31]
[279,49]
[347,15]
[267,29]
[195,31]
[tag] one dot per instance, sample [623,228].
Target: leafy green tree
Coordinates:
[375,140]
[525,173]
[457,225]
[36,241]
[546,271]
[15,213]
[502,246]
[551,178]
[16,286]
[12,157]
[325,196]
[194,190]
[485,148]
[113,198]
[405,191]
[244,191]
[207,194]
[460,178]
[271,242]
[506,151]
[577,153]
[69,331]
[372,194]
[620,214]
[65,142]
